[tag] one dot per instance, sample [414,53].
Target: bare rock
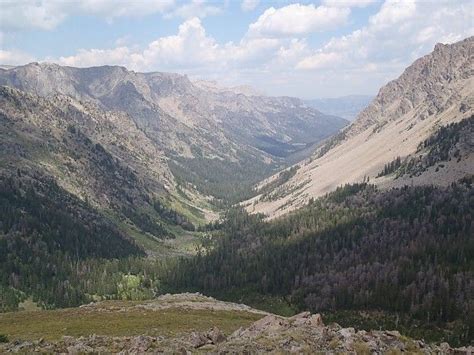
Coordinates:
[306,318]
[302,315]
[216,336]
[79,348]
[346,332]
[393,333]
[316,320]
[140,344]
[198,340]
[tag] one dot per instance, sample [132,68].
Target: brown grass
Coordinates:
[52,325]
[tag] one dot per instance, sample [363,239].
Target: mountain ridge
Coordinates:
[405,112]
[189,123]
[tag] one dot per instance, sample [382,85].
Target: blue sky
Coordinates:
[308,49]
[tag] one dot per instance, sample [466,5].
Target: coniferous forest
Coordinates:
[407,251]
[44,234]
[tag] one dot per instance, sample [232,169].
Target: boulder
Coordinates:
[79,348]
[215,335]
[198,340]
[346,332]
[393,333]
[140,344]
[269,323]
[305,318]
[301,315]
[316,320]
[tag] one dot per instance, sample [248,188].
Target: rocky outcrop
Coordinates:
[303,333]
[428,87]
[189,301]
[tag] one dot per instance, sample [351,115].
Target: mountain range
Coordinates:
[150,148]
[117,185]
[417,131]
[375,229]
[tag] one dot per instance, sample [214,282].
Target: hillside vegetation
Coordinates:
[406,251]
[200,128]
[44,233]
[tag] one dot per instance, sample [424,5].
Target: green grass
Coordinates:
[193,214]
[52,325]
[146,241]
[182,245]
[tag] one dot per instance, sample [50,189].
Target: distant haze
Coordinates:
[347,107]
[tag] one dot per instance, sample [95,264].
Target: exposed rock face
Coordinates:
[430,86]
[434,91]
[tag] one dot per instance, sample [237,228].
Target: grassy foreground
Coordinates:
[117,318]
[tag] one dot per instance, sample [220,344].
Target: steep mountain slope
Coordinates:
[79,186]
[100,157]
[200,128]
[44,233]
[436,90]
[347,107]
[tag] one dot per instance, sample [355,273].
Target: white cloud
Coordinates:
[96,57]
[47,14]
[400,32]
[191,50]
[290,54]
[196,8]
[297,19]
[284,61]
[320,60]
[249,5]
[394,12]
[190,47]
[14,57]
[29,14]
[349,3]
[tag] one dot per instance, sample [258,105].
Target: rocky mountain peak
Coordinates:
[436,90]
[427,86]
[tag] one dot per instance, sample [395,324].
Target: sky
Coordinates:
[308,49]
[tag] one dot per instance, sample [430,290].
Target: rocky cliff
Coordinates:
[435,91]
